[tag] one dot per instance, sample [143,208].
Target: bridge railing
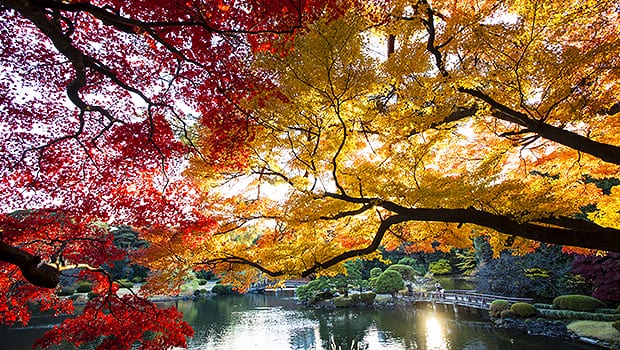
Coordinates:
[465,298]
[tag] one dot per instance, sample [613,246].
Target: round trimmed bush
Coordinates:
[223,289]
[616,325]
[201,293]
[375,272]
[343,302]
[406,271]
[508,314]
[368,298]
[497,306]
[523,309]
[83,287]
[577,302]
[390,281]
[66,291]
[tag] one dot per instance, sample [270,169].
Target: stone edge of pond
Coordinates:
[548,328]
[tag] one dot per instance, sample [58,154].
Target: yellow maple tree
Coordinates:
[422,125]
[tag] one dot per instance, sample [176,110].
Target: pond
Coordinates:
[270,322]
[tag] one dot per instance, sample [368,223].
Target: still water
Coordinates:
[268,322]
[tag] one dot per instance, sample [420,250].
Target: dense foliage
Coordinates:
[602,272]
[542,274]
[288,137]
[440,267]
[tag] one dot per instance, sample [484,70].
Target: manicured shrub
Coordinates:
[343,302]
[578,315]
[390,281]
[367,298]
[318,297]
[508,314]
[201,293]
[314,287]
[66,291]
[577,302]
[223,289]
[497,306]
[375,272]
[523,309]
[440,267]
[616,325]
[354,297]
[202,281]
[419,268]
[83,287]
[406,271]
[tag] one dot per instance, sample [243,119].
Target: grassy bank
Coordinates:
[595,329]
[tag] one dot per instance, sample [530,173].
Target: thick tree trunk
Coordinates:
[37,273]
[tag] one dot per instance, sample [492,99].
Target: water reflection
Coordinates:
[435,337]
[265,322]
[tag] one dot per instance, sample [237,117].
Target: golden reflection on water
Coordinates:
[435,334]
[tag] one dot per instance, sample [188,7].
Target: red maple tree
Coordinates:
[98,101]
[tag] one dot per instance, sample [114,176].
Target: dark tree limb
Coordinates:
[606,152]
[36,272]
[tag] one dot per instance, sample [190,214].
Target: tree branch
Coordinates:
[33,270]
[606,152]
[563,231]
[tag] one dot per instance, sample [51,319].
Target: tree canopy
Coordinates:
[478,119]
[286,137]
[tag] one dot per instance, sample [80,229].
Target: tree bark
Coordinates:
[603,151]
[563,231]
[36,272]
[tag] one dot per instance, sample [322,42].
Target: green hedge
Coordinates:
[616,325]
[497,306]
[578,315]
[523,309]
[576,302]
[604,310]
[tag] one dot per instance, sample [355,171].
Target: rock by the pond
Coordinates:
[540,326]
